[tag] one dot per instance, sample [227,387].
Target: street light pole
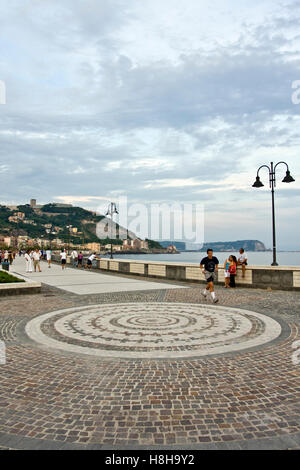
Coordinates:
[112,209]
[272,181]
[69,236]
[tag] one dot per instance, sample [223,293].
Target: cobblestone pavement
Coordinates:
[245,399]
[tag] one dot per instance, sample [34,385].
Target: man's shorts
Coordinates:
[210,277]
[63,261]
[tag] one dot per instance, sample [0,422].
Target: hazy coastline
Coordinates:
[255,258]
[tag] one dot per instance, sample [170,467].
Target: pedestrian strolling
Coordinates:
[63,257]
[80,258]
[209,266]
[74,256]
[28,260]
[226,273]
[36,260]
[48,257]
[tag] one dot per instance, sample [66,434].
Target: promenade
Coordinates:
[102,361]
[81,281]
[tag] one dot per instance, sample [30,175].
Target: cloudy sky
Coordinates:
[174,101]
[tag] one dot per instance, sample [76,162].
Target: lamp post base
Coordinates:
[274,264]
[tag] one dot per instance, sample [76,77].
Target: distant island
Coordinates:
[248,245]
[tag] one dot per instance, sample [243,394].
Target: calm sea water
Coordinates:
[255,258]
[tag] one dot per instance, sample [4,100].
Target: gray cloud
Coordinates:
[86,116]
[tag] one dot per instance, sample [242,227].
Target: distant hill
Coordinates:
[248,245]
[38,219]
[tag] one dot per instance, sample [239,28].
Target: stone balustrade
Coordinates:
[274,277]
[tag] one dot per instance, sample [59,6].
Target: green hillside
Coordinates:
[60,217]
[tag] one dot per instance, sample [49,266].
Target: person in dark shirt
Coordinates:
[209,266]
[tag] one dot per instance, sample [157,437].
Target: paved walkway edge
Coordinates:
[283,442]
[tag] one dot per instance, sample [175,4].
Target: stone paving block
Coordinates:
[52,399]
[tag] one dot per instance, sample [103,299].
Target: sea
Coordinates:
[255,258]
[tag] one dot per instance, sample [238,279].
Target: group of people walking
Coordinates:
[33,258]
[210,265]
[7,256]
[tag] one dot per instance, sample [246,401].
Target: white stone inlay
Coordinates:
[153,330]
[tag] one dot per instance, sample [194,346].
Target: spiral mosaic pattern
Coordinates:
[152,330]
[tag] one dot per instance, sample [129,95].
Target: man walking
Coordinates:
[209,266]
[74,256]
[36,260]
[63,258]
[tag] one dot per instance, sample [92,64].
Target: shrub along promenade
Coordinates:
[14,284]
[7,278]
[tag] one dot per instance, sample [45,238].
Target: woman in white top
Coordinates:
[48,257]
[28,260]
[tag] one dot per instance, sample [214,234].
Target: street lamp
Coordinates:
[69,227]
[50,232]
[272,181]
[112,209]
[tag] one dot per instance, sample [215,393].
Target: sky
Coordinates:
[167,102]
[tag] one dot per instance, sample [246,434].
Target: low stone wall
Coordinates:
[273,277]
[20,288]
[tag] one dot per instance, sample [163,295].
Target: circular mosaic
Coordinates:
[152,330]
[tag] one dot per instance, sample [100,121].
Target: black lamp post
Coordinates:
[69,227]
[112,209]
[258,184]
[50,232]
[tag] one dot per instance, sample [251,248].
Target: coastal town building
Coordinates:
[135,244]
[172,249]
[93,246]
[6,241]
